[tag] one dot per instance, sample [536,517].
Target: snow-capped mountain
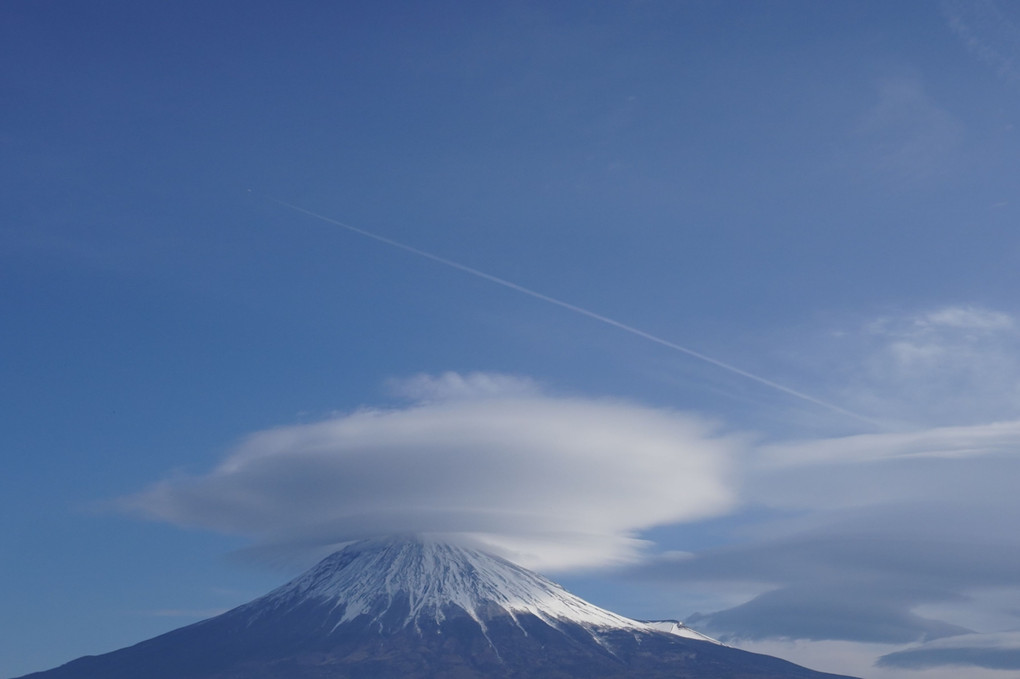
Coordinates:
[399,582]
[419,607]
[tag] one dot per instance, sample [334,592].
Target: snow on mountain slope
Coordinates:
[427,576]
[681,630]
[420,608]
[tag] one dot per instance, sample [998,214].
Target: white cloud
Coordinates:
[968,317]
[952,365]
[989,32]
[1002,438]
[969,468]
[557,482]
[453,386]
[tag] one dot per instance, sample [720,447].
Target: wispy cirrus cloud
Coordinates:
[452,385]
[990,30]
[954,365]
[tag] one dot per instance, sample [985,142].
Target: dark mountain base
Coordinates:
[226,648]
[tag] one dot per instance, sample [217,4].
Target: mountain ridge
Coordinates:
[420,608]
[434,574]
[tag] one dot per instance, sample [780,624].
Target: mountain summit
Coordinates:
[423,608]
[419,582]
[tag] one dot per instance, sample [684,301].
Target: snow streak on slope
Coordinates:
[681,630]
[428,577]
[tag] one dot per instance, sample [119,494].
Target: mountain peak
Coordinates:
[405,580]
[420,607]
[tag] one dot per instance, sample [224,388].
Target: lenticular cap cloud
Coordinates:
[555,482]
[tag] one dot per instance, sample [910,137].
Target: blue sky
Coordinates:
[819,194]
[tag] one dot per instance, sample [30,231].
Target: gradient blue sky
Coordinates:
[821,194]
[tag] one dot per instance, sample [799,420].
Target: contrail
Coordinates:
[578,310]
